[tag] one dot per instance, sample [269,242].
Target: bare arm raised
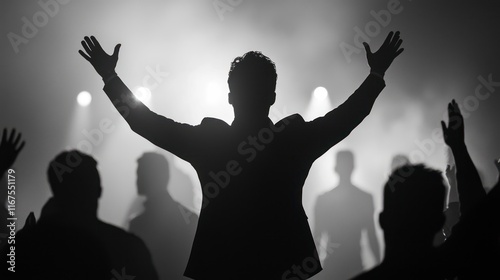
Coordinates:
[163,132]
[338,123]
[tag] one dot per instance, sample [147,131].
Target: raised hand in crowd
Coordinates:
[380,60]
[469,185]
[103,63]
[10,147]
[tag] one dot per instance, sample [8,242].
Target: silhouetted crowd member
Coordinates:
[343,214]
[413,213]
[180,188]
[69,241]
[252,224]
[166,226]
[10,147]
[414,197]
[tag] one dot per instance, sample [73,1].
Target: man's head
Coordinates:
[252,83]
[414,199]
[73,178]
[152,174]
[345,164]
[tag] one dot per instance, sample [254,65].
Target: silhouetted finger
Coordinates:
[450,109]
[398,44]
[388,39]
[89,42]
[95,42]
[4,135]
[456,108]
[367,48]
[20,147]
[394,40]
[11,136]
[86,47]
[117,50]
[398,52]
[84,55]
[445,129]
[18,138]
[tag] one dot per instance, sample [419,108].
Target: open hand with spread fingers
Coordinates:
[380,60]
[10,147]
[103,63]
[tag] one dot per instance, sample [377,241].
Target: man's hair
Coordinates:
[73,173]
[414,196]
[252,72]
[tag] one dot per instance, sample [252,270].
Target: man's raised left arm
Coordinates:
[338,123]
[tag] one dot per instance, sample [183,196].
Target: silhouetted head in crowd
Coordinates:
[252,85]
[153,174]
[414,197]
[345,165]
[74,179]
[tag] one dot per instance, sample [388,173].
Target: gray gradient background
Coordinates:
[448,45]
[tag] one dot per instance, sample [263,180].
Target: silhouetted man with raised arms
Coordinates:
[252,224]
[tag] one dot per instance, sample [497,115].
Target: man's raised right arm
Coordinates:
[161,131]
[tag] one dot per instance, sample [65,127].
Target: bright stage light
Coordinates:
[84,98]
[143,94]
[320,93]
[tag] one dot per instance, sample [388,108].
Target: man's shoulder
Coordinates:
[213,122]
[212,126]
[294,120]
